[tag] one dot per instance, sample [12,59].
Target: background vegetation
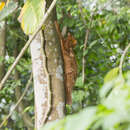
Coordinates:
[106,100]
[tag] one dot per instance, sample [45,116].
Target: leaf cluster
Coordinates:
[113,112]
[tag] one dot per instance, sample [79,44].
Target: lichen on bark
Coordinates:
[55,66]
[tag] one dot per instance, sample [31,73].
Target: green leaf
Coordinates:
[27,109]
[81,121]
[111,75]
[78,96]
[85,52]
[56,125]
[8,9]
[92,44]
[79,82]
[31,15]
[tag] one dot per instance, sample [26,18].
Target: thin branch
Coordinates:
[27,44]
[83,59]
[86,36]
[20,99]
[122,58]
[86,39]
[80,8]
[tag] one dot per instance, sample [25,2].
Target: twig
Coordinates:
[80,8]
[47,75]
[122,59]
[20,99]
[86,36]
[83,59]
[86,39]
[27,44]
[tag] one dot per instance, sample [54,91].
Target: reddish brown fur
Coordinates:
[70,65]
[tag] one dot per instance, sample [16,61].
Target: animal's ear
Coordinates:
[74,42]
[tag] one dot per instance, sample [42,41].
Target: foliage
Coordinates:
[31,15]
[109,33]
[113,112]
[7,10]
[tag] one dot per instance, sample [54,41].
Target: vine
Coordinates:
[47,75]
[20,99]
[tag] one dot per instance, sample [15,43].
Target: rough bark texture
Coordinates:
[55,68]
[2,47]
[40,82]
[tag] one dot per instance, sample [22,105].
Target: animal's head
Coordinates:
[72,40]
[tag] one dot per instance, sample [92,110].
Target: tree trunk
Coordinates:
[55,70]
[55,66]
[2,47]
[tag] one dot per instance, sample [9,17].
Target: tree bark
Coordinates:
[2,47]
[55,69]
